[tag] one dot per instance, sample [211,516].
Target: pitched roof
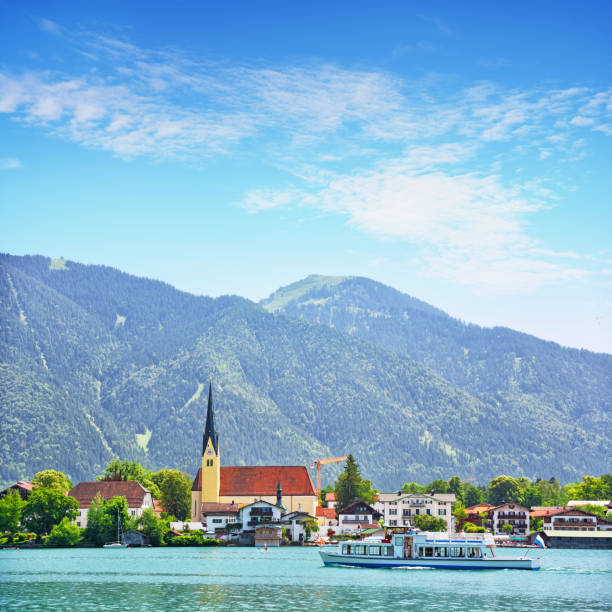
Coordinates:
[259,480]
[359,507]
[329,513]
[541,512]
[209,430]
[330,497]
[478,508]
[133,491]
[214,508]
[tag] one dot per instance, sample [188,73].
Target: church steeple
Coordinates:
[210,433]
[211,461]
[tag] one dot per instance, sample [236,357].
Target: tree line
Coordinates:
[49,513]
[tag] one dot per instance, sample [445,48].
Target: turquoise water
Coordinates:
[288,579]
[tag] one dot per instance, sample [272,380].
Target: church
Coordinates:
[217,484]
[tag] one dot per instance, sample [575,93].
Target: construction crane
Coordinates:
[318,463]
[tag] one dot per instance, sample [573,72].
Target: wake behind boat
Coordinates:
[402,548]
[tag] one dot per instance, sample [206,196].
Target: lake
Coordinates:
[288,579]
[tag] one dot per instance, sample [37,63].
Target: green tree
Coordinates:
[310,526]
[131,470]
[437,486]
[46,508]
[507,528]
[471,528]
[472,496]
[64,535]
[591,488]
[459,510]
[350,486]
[504,489]
[175,492]
[536,524]
[328,489]
[52,479]
[102,519]
[455,486]
[11,506]
[153,527]
[594,509]
[425,522]
[532,496]
[412,487]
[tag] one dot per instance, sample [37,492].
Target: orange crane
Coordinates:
[318,463]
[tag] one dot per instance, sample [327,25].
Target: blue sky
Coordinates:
[459,152]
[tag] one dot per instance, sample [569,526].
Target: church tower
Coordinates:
[211,461]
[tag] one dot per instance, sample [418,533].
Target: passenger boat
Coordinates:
[401,548]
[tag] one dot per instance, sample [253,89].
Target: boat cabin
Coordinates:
[399,543]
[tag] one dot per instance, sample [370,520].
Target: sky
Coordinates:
[458,152]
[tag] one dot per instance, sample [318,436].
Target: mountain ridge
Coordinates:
[126,356]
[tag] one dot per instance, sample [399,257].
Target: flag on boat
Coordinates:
[539,541]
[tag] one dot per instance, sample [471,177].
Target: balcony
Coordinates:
[562,524]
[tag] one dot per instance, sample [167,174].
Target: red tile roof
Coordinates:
[85,492]
[157,506]
[478,508]
[261,480]
[540,512]
[24,484]
[329,513]
[330,497]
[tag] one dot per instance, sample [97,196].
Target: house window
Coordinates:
[393,511]
[441,511]
[217,520]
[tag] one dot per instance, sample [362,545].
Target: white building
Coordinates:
[398,509]
[509,513]
[138,498]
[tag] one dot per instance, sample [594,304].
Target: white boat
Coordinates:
[118,543]
[400,548]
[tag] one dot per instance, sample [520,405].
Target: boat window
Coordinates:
[374,550]
[360,550]
[441,551]
[426,551]
[348,549]
[474,552]
[457,551]
[397,540]
[389,551]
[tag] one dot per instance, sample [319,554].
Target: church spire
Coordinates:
[210,433]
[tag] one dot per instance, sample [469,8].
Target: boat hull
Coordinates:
[330,559]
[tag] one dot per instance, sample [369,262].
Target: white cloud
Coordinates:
[425,158]
[10,163]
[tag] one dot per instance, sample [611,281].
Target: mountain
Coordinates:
[533,383]
[95,363]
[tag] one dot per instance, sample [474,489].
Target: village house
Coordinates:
[509,513]
[399,508]
[331,500]
[138,498]
[215,517]
[574,519]
[474,515]
[356,517]
[326,517]
[23,487]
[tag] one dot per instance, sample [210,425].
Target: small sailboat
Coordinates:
[118,543]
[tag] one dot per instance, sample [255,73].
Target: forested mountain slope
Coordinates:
[95,363]
[522,374]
